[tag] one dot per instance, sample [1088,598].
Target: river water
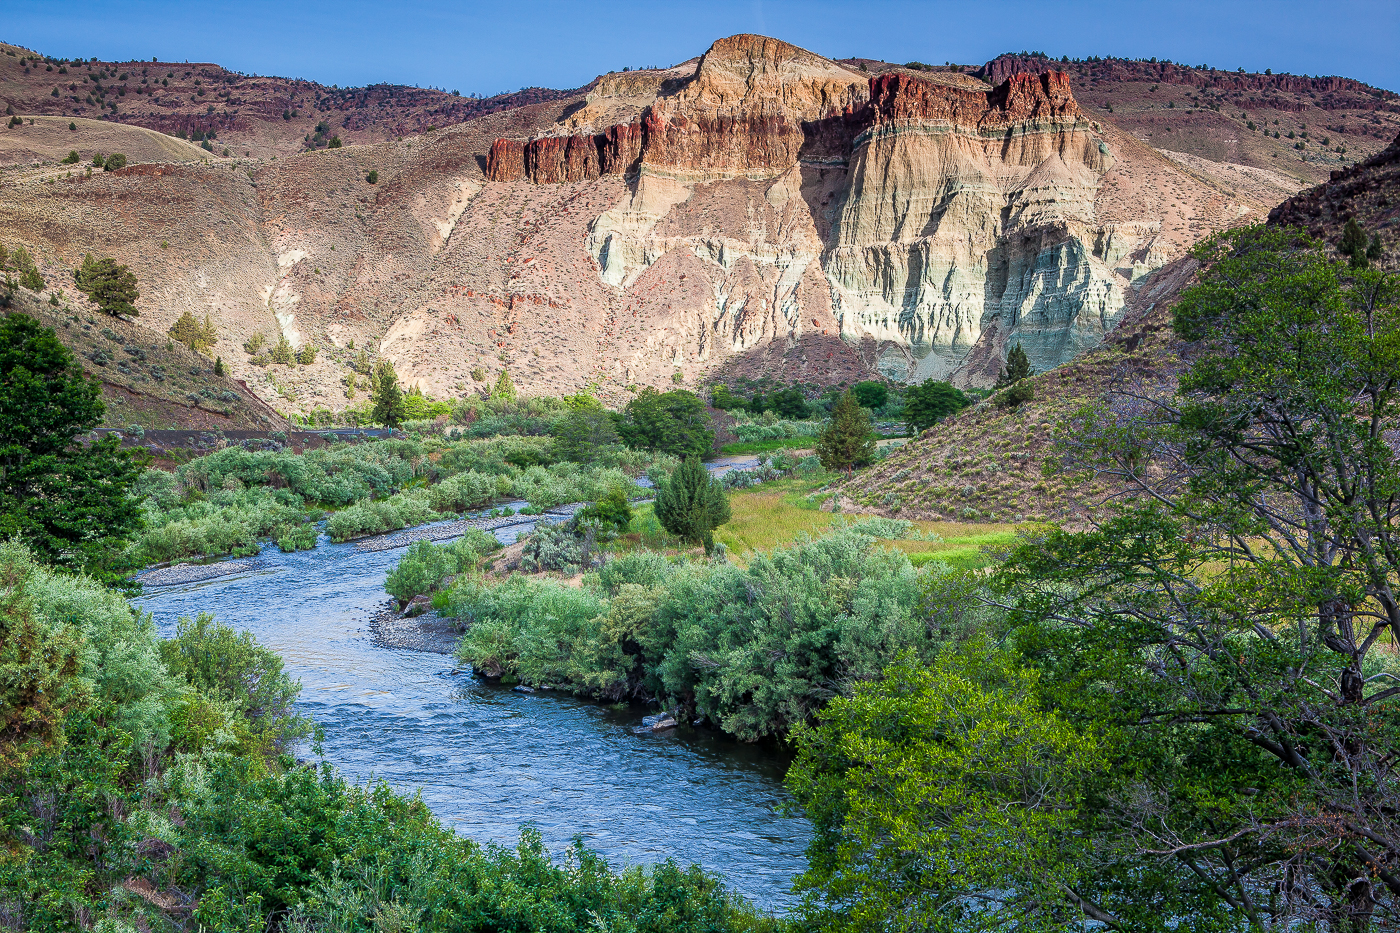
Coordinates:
[488,760]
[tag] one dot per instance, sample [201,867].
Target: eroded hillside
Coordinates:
[759,210]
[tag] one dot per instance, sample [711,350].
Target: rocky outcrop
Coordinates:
[1355,94]
[944,206]
[564,159]
[1368,192]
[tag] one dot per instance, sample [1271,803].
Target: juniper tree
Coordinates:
[847,441]
[692,504]
[386,395]
[68,500]
[112,287]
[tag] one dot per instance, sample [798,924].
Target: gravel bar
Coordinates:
[193,573]
[428,632]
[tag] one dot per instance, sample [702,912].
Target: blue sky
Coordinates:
[502,45]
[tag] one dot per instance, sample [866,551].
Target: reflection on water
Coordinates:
[488,760]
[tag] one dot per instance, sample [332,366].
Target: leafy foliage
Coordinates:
[930,402]
[944,798]
[425,566]
[169,778]
[1230,627]
[673,422]
[871,394]
[755,650]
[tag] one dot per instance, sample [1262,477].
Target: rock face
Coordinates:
[757,211]
[917,215]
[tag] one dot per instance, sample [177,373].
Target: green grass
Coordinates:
[776,513]
[767,446]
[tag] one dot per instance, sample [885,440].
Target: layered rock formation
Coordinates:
[937,211]
[759,211]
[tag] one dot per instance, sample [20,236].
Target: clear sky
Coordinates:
[504,45]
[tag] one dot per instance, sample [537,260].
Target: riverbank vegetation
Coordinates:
[1184,718]
[150,785]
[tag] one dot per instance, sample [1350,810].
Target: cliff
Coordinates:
[757,211]
[944,219]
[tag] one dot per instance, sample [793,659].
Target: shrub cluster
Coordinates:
[163,768]
[754,650]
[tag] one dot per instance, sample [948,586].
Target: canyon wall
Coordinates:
[935,210]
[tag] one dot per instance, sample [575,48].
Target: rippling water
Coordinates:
[488,760]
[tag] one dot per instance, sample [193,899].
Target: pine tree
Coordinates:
[111,287]
[219,369]
[1018,367]
[691,504]
[848,441]
[386,396]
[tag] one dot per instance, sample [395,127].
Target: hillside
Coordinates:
[146,379]
[249,115]
[1368,192]
[756,211]
[1322,122]
[986,462]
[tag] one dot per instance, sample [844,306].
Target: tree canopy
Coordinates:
[871,394]
[69,501]
[930,402]
[112,287]
[691,504]
[386,396]
[672,422]
[1225,633]
[848,440]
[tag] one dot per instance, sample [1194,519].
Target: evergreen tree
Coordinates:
[504,388]
[1013,380]
[111,287]
[283,352]
[219,369]
[70,502]
[189,331]
[386,395]
[691,504]
[1357,248]
[847,441]
[1018,367]
[23,265]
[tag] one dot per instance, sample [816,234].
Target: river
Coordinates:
[488,760]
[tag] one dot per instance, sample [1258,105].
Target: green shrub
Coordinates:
[564,548]
[755,650]
[230,666]
[425,565]
[294,537]
[378,516]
